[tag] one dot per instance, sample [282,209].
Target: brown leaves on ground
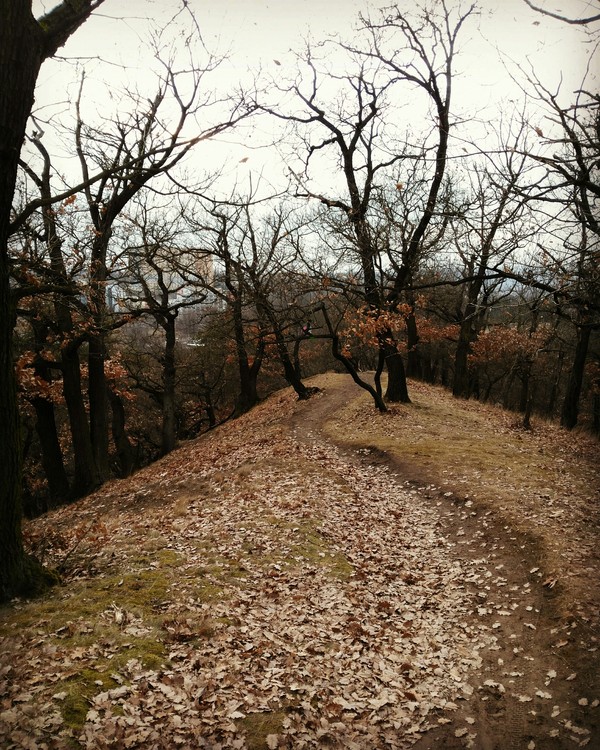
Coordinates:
[260,588]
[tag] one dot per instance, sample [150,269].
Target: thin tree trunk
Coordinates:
[86,477]
[289,370]
[126,455]
[169,423]
[350,368]
[52,458]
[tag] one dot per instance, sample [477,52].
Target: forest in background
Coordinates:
[409,237]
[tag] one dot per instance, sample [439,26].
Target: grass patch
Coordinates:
[316,550]
[258,726]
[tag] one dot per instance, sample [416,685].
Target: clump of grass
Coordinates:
[315,549]
[258,726]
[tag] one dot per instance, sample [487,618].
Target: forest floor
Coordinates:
[317,574]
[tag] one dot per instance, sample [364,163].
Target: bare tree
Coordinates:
[161,277]
[355,127]
[24,45]
[150,141]
[566,189]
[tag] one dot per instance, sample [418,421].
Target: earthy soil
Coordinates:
[317,574]
[546,658]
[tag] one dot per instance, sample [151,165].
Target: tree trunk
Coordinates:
[570,410]
[248,373]
[557,374]
[413,356]
[97,392]
[397,389]
[169,422]
[24,44]
[248,395]
[126,455]
[52,458]
[348,364]
[291,375]
[20,60]
[379,372]
[460,385]
[86,477]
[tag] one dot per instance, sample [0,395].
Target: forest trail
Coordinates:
[519,683]
[294,579]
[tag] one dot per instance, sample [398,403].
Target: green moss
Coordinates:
[258,726]
[169,557]
[74,709]
[315,549]
[88,682]
[150,652]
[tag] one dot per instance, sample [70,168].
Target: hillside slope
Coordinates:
[319,575]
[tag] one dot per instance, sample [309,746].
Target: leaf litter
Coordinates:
[263,588]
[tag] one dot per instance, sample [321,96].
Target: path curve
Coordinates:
[519,702]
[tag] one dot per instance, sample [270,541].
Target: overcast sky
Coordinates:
[257,32]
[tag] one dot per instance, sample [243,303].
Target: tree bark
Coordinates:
[347,362]
[248,372]
[52,458]
[24,44]
[461,383]
[570,410]
[86,477]
[125,451]
[397,390]
[414,367]
[169,422]
[21,55]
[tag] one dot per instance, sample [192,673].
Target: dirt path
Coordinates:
[269,586]
[535,685]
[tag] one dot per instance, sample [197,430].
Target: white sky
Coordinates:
[259,31]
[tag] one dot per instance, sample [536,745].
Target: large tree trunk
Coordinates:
[20,60]
[23,46]
[570,410]
[248,394]
[397,389]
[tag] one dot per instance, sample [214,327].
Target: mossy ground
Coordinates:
[258,726]
[87,620]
